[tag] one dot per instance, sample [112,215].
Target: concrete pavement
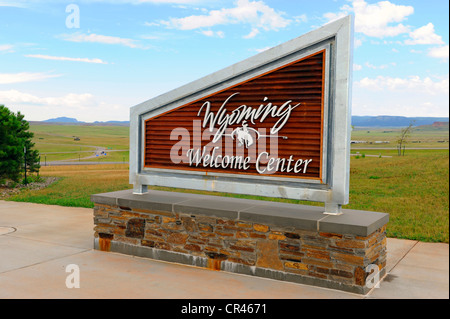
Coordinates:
[39,242]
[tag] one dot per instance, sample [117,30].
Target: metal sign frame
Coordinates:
[336,39]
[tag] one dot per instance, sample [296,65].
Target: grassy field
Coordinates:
[421,137]
[413,189]
[76,183]
[58,142]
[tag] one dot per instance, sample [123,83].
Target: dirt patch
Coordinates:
[7,191]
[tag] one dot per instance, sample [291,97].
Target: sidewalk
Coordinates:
[38,242]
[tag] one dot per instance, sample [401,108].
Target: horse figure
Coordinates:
[244,136]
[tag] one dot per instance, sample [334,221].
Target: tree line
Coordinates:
[17,156]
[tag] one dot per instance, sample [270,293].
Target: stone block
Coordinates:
[135,228]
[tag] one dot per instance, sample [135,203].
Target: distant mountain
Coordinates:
[357,121]
[113,122]
[394,121]
[69,120]
[440,124]
[62,120]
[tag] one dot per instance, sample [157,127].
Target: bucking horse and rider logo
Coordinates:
[246,135]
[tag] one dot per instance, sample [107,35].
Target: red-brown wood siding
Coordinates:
[301,81]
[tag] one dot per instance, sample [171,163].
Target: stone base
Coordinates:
[280,241]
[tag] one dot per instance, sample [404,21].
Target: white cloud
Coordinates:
[210,33]
[17,4]
[424,35]
[415,51]
[357,67]
[69,100]
[373,67]
[395,105]
[411,84]
[8,48]
[260,49]
[301,18]
[151,24]
[152,1]
[179,3]
[10,78]
[98,38]
[252,34]
[379,67]
[411,96]
[84,107]
[379,20]
[62,58]
[439,52]
[255,13]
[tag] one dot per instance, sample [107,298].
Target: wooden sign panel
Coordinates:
[287,101]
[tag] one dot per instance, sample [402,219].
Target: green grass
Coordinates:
[50,147]
[421,137]
[413,189]
[76,184]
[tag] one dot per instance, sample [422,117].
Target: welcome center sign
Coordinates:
[276,124]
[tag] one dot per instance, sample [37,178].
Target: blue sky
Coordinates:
[124,52]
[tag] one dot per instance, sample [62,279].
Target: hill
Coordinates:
[436,126]
[73,121]
[358,121]
[62,120]
[394,121]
